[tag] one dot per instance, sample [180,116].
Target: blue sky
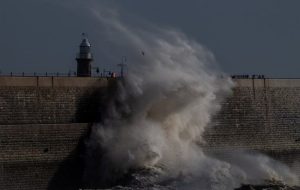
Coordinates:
[246,36]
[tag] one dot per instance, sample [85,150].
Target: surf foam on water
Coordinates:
[155,120]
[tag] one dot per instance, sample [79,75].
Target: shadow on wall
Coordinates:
[70,172]
[92,103]
[99,172]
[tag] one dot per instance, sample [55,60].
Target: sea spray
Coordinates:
[158,112]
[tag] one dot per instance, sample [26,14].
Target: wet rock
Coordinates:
[269,185]
[155,179]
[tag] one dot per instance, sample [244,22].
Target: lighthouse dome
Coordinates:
[85,43]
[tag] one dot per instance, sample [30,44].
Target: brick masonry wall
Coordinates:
[43,122]
[27,105]
[41,156]
[263,117]
[268,120]
[47,100]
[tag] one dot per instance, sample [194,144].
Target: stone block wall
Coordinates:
[43,122]
[43,125]
[41,156]
[261,115]
[49,100]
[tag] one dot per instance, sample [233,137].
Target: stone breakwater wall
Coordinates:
[41,156]
[44,121]
[49,100]
[261,115]
[43,124]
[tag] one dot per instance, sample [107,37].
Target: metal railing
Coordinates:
[105,74]
[247,76]
[35,74]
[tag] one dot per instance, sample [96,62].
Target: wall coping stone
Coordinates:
[54,81]
[288,83]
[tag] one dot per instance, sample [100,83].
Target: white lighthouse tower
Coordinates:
[84,58]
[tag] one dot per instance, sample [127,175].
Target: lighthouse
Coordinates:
[84,58]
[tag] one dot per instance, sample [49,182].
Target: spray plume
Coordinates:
[157,115]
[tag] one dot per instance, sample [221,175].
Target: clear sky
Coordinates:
[246,36]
